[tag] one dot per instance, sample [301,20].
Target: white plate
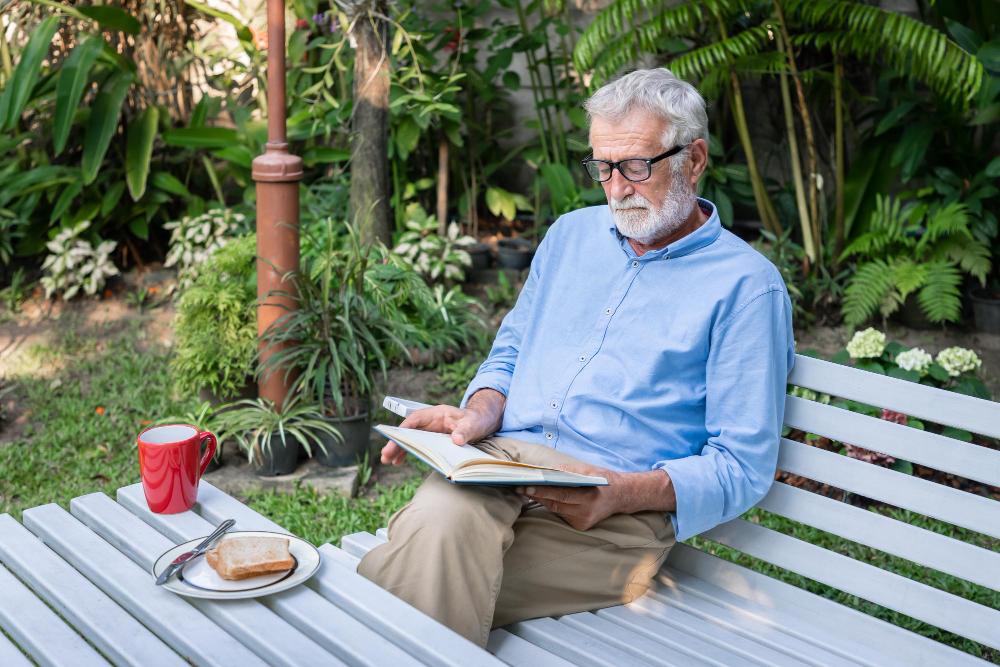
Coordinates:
[197,579]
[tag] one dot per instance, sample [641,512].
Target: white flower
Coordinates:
[866,344]
[958,360]
[914,360]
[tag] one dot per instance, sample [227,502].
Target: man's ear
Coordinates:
[699,160]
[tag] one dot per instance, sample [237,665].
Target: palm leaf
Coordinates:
[912,48]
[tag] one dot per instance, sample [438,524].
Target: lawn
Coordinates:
[77,429]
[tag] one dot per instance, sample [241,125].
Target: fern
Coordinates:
[940,298]
[866,292]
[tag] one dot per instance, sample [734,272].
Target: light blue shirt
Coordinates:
[677,360]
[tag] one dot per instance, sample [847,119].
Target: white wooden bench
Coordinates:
[706,610]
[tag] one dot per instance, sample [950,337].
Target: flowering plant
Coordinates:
[74,263]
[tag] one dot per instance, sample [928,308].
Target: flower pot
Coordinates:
[514,253]
[480,254]
[986,310]
[248,390]
[281,458]
[355,433]
[912,315]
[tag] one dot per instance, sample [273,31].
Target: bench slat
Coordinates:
[946,611]
[930,449]
[358,544]
[644,647]
[33,625]
[698,648]
[262,631]
[898,538]
[168,615]
[515,651]
[928,498]
[693,574]
[942,407]
[328,625]
[804,649]
[578,647]
[109,627]
[412,630]
[10,654]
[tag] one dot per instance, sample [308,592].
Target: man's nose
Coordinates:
[618,186]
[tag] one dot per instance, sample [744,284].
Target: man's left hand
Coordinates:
[586,506]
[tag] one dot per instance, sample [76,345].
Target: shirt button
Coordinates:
[583,358]
[553,405]
[635,264]
[549,436]
[607,311]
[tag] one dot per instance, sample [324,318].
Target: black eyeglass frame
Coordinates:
[650,161]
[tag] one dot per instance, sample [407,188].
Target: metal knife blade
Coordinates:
[204,546]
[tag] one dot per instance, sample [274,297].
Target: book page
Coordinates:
[437,447]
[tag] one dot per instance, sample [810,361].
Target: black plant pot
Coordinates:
[514,253]
[986,310]
[355,433]
[281,458]
[248,390]
[912,315]
[480,254]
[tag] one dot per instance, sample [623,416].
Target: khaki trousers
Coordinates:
[478,557]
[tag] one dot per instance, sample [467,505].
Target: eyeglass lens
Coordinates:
[633,170]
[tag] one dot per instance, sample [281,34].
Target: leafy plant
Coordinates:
[15,294]
[435,256]
[256,423]
[74,263]
[216,322]
[502,295]
[918,248]
[194,239]
[342,334]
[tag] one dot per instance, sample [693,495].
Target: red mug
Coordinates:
[171,463]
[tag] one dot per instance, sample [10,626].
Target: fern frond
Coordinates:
[949,220]
[885,227]
[940,298]
[912,48]
[972,256]
[866,292]
[907,276]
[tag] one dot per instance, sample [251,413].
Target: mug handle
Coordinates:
[209,453]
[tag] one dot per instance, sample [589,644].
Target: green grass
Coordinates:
[81,424]
[326,518]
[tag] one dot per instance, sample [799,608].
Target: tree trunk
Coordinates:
[370,130]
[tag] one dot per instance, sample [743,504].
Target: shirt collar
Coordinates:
[699,238]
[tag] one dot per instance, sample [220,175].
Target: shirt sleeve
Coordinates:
[751,355]
[498,369]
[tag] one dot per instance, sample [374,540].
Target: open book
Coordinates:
[468,465]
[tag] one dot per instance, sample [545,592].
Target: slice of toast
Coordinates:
[251,556]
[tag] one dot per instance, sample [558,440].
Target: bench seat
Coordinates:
[706,610]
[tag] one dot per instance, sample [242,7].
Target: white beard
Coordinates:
[637,218]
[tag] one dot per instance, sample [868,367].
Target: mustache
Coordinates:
[632,201]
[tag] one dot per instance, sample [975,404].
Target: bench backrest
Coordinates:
[960,508]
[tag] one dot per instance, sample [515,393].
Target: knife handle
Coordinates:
[216,534]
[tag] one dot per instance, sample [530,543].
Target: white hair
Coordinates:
[660,92]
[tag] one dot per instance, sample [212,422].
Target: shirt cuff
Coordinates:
[496,380]
[699,498]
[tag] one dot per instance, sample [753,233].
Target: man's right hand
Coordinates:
[480,418]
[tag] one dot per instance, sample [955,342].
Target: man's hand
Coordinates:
[480,418]
[626,493]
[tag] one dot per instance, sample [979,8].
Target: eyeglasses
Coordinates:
[633,169]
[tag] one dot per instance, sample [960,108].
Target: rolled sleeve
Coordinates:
[751,355]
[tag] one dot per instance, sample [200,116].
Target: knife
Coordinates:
[205,545]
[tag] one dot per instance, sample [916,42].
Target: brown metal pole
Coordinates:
[277,174]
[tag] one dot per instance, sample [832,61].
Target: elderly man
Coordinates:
[648,345]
